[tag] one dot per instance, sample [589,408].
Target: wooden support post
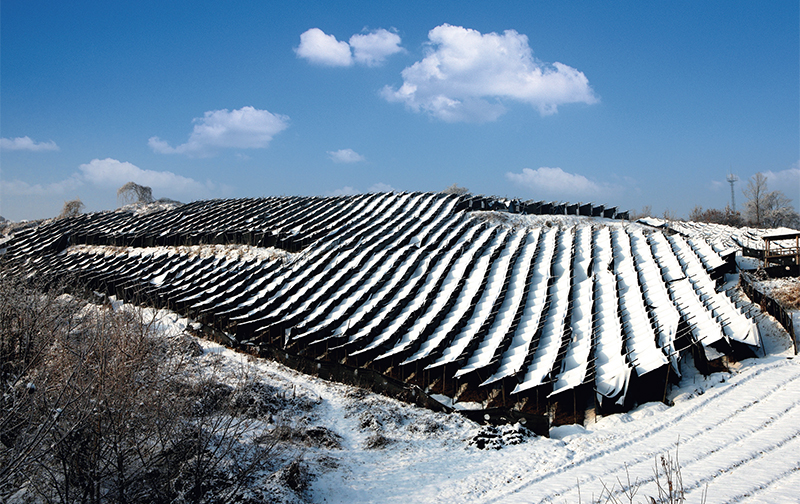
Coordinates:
[574,405]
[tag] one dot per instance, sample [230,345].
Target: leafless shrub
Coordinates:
[132,192]
[667,477]
[456,189]
[377,442]
[726,216]
[788,295]
[647,211]
[71,208]
[315,437]
[97,409]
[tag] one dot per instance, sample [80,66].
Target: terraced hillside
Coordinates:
[530,304]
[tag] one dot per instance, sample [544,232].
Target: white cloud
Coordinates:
[345,156]
[369,49]
[26,143]
[381,187]
[322,49]
[557,182]
[373,48]
[112,173]
[20,188]
[344,191]
[245,128]
[466,74]
[787,181]
[717,185]
[349,191]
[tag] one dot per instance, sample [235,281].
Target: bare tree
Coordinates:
[135,193]
[765,208]
[780,212]
[715,216]
[71,208]
[95,408]
[756,194]
[669,215]
[647,211]
[455,189]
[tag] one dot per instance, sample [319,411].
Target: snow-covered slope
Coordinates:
[487,306]
[736,435]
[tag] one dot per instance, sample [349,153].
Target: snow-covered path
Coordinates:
[738,434]
[741,438]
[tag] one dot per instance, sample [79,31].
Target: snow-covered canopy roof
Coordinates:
[426,286]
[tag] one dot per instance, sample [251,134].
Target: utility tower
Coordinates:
[732,179]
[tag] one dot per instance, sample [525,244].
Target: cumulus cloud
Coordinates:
[381,187]
[26,143]
[372,49]
[717,185]
[557,182]
[245,128]
[345,156]
[369,49]
[466,74]
[349,191]
[322,49]
[783,180]
[344,191]
[112,174]
[20,188]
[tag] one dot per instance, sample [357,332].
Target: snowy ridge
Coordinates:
[612,371]
[704,327]
[735,324]
[665,315]
[503,316]
[489,291]
[515,341]
[641,339]
[545,351]
[575,364]
[448,291]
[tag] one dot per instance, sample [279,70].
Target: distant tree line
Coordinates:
[763,208]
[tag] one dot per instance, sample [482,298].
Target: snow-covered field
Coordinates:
[736,436]
[393,260]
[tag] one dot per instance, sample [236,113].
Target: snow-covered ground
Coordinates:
[736,434]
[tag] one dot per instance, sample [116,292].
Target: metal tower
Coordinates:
[732,179]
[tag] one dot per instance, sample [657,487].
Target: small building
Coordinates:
[782,247]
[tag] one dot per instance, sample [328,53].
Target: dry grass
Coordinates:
[667,477]
[94,407]
[788,295]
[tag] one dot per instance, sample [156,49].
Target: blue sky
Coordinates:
[621,103]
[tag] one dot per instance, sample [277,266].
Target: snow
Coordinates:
[488,298]
[552,331]
[737,433]
[505,314]
[611,367]
[576,362]
[641,341]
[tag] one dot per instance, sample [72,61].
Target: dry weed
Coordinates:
[788,295]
